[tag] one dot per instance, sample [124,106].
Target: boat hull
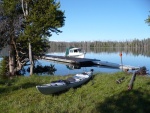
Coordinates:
[82,55]
[51,89]
[46,89]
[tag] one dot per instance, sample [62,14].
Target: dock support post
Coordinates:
[121,60]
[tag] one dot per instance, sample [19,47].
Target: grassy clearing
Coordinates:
[100,95]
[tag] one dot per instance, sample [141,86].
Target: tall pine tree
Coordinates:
[42,18]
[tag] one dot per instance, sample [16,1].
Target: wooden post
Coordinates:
[130,86]
[121,60]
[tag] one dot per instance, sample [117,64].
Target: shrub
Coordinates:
[3,68]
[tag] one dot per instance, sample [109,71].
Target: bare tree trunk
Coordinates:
[11,61]
[25,12]
[31,60]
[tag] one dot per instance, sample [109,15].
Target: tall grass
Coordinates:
[100,95]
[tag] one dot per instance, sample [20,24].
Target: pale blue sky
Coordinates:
[104,20]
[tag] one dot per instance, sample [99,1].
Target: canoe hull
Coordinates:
[51,89]
[45,89]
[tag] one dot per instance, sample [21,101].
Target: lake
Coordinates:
[127,59]
[138,57]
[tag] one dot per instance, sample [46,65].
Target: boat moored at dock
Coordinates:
[74,52]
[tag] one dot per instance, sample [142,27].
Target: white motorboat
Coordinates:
[75,52]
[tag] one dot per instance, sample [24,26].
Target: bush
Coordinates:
[3,67]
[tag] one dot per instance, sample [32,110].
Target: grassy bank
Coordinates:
[100,95]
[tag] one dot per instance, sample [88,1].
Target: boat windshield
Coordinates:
[77,50]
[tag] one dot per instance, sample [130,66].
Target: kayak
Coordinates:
[62,85]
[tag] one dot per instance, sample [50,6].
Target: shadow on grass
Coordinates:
[148,83]
[126,102]
[9,88]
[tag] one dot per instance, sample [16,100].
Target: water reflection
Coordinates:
[67,68]
[131,56]
[74,66]
[127,50]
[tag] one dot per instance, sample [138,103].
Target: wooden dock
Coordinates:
[87,62]
[72,60]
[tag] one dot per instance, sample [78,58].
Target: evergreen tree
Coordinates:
[148,20]
[42,18]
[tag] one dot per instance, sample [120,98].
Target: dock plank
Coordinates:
[87,61]
[69,59]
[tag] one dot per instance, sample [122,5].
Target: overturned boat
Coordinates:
[62,85]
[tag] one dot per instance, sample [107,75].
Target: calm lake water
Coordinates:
[138,59]
[127,59]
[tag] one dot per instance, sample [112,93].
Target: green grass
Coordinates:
[100,95]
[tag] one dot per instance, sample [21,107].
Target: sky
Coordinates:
[104,20]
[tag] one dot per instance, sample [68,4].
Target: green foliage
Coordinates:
[11,7]
[10,13]
[44,18]
[3,68]
[39,69]
[148,20]
[100,95]
[17,29]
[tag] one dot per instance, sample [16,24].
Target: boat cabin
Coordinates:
[75,52]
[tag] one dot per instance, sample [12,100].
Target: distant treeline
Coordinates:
[136,43]
[136,47]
